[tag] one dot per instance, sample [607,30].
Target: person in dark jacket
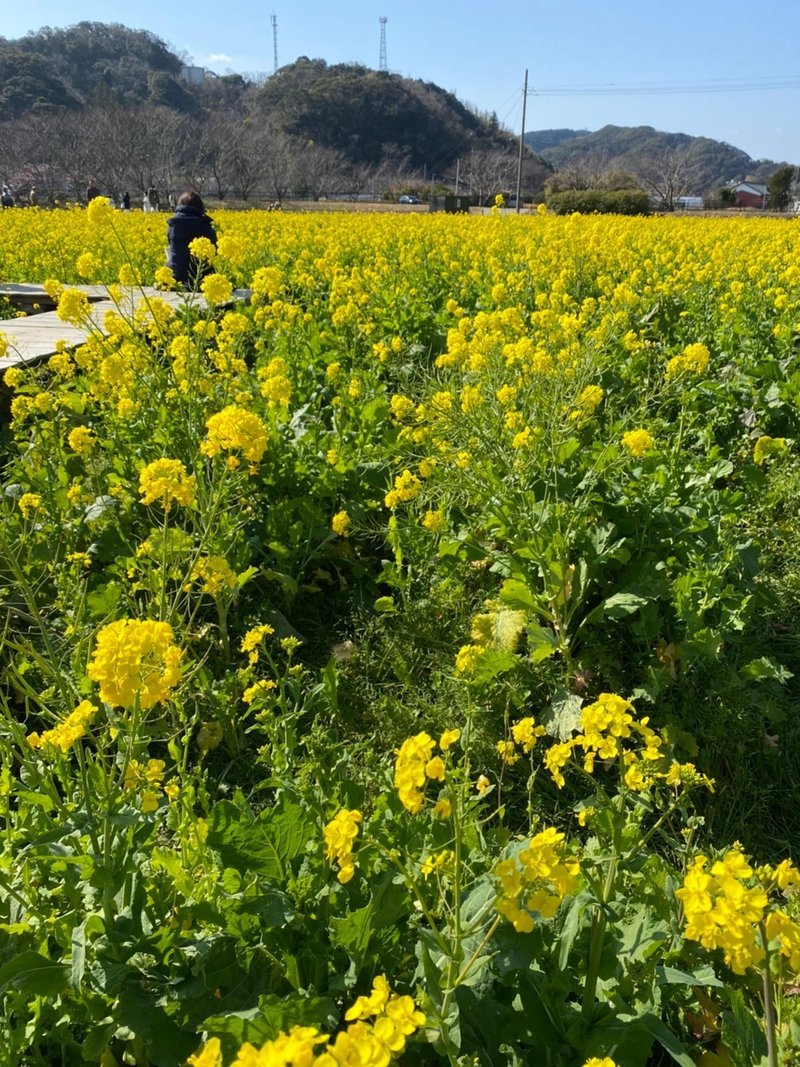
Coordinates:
[189,221]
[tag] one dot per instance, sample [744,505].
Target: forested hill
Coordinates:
[91,63]
[629,148]
[365,114]
[368,114]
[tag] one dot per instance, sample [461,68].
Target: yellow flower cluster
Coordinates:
[726,904]
[235,428]
[147,779]
[587,402]
[722,911]
[637,442]
[29,504]
[416,765]
[606,724]
[253,640]
[536,880]
[340,835]
[134,658]
[525,734]
[215,574]
[378,1031]
[406,487]
[66,733]
[276,386]
[693,359]
[166,480]
[81,440]
[341,524]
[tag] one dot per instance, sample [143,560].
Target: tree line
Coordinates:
[222,155]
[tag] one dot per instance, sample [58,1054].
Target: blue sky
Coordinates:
[747,52]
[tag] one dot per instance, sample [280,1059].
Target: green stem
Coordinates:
[599,923]
[468,965]
[770,1025]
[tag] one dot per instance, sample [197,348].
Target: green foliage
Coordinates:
[601,201]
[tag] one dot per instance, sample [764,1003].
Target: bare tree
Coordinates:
[279,153]
[485,173]
[670,173]
[319,169]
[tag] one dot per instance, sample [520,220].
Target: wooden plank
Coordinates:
[33,339]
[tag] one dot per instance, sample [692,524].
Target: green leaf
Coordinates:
[78,955]
[618,606]
[640,935]
[167,1044]
[571,925]
[515,594]
[354,931]
[702,976]
[741,1032]
[266,845]
[102,601]
[490,664]
[99,506]
[563,716]
[31,972]
[541,642]
[662,1034]
[764,669]
[273,1015]
[507,625]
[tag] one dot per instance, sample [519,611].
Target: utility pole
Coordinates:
[458,165]
[274,21]
[382,65]
[521,142]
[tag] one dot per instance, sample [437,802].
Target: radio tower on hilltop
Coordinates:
[382,65]
[274,21]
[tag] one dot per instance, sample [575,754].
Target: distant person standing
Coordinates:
[171,200]
[91,191]
[189,221]
[33,197]
[7,197]
[152,197]
[126,201]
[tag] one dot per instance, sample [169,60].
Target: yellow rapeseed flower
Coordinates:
[235,428]
[166,480]
[134,658]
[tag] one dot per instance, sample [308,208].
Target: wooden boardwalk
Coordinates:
[36,337]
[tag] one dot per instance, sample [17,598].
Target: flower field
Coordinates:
[401,667]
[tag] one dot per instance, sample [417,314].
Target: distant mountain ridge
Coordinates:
[629,148]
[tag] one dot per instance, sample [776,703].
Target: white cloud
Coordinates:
[219,57]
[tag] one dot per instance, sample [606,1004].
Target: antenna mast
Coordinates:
[382,65]
[274,21]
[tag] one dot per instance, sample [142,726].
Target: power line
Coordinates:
[713,85]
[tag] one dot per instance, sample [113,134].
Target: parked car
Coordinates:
[407,198]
